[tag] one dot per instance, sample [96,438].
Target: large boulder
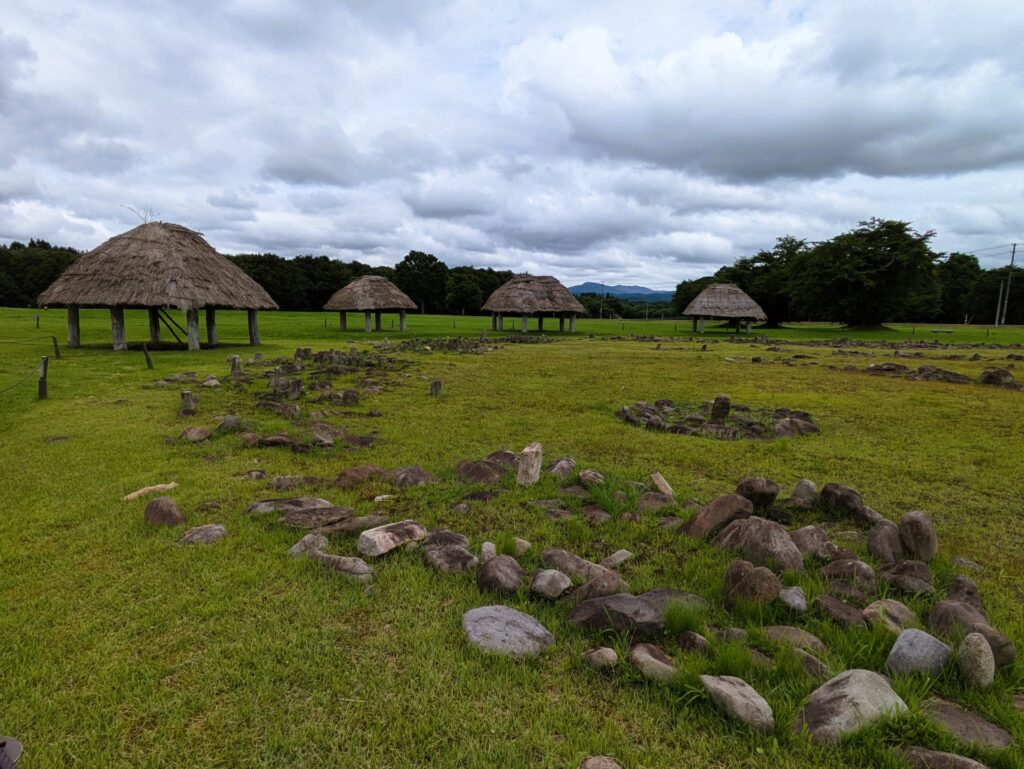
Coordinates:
[482,471]
[383,539]
[164,511]
[716,514]
[807,491]
[760,491]
[964,590]
[316,517]
[908,577]
[844,502]
[501,630]
[811,541]
[853,572]
[965,725]
[884,542]
[917,533]
[763,542]
[740,702]
[952,619]
[621,613]
[577,568]
[844,704]
[444,538]
[746,582]
[915,651]
[501,574]
[450,559]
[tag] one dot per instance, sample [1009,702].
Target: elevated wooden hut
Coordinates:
[156,266]
[540,295]
[370,294]
[724,301]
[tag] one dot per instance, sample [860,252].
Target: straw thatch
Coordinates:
[530,294]
[369,293]
[724,300]
[157,264]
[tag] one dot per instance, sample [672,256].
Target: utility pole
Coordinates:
[999,301]
[1009,280]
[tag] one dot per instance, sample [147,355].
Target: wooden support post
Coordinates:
[494,321]
[117,328]
[154,325]
[74,336]
[501,322]
[401,320]
[56,348]
[540,322]
[44,367]
[561,323]
[695,325]
[192,322]
[572,324]
[149,360]
[701,326]
[523,324]
[211,326]
[376,321]
[37,321]
[343,320]
[367,322]
[254,327]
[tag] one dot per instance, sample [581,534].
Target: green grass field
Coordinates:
[119,648]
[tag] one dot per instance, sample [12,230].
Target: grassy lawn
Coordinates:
[119,648]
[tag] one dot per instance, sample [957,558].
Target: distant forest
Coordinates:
[880,271]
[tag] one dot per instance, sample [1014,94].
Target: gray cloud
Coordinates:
[639,143]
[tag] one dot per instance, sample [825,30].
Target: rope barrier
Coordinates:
[34,370]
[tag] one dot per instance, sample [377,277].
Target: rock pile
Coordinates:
[719,419]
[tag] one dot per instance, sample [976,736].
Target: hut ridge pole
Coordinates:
[254,328]
[154,325]
[211,326]
[117,328]
[343,320]
[366,321]
[192,322]
[401,320]
[74,334]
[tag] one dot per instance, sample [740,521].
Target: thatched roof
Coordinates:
[724,300]
[529,294]
[157,264]
[370,292]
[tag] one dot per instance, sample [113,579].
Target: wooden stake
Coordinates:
[44,367]
[56,349]
[149,360]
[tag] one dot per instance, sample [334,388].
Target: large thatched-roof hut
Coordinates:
[370,294]
[157,265]
[539,295]
[723,301]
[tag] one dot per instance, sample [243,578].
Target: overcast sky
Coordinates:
[625,142]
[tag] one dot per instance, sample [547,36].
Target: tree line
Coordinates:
[881,271]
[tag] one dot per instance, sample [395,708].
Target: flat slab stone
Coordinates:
[740,701]
[309,544]
[316,517]
[285,504]
[967,726]
[846,703]
[922,758]
[383,539]
[354,525]
[450,559]
[353,568]
[502,630]
[203,535]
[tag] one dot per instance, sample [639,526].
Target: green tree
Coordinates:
[464,295]
[958,275]
[765,277]
[863,277]
[981,302]
[424,278]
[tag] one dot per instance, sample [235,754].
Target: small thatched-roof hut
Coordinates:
[724,301]
[539,295]
[370,294]
[157,265]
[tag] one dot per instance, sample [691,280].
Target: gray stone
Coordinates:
[355,525]
[309,544]
[590,478]
[661,485]
[601,658]
[812,666]
[652,501]
[600,762]
[383,539]
[795,636]
[577,568]
[443,538]
[315,517]
[844,502]
[488,550]
[353,568]
[744,581]
[164,511]
[811,541]
[351,477]
[976,662]
[716,514]
[484,471]
[501,630]
[853,572]
[501,574]
[622,612]
[763,542]
[286,504]
[740,702]
[691,641]
[522,546]
[915,651]
[967,563]
[595,514]
[408,477]
[839,612]
[760,491]
[616,559]
[550,583]
[806,490]
[794,598]
[844,704]
[450,559]
[528,464]
[965,725]
[606,583]
[908,577]
[891,614]
[917,532]
[563,468]
[203,535]
[951,619]
[652,662]
[196,434]
[884,542]
[964,590]
[922,758]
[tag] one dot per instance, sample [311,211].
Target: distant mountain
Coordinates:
[623,292]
